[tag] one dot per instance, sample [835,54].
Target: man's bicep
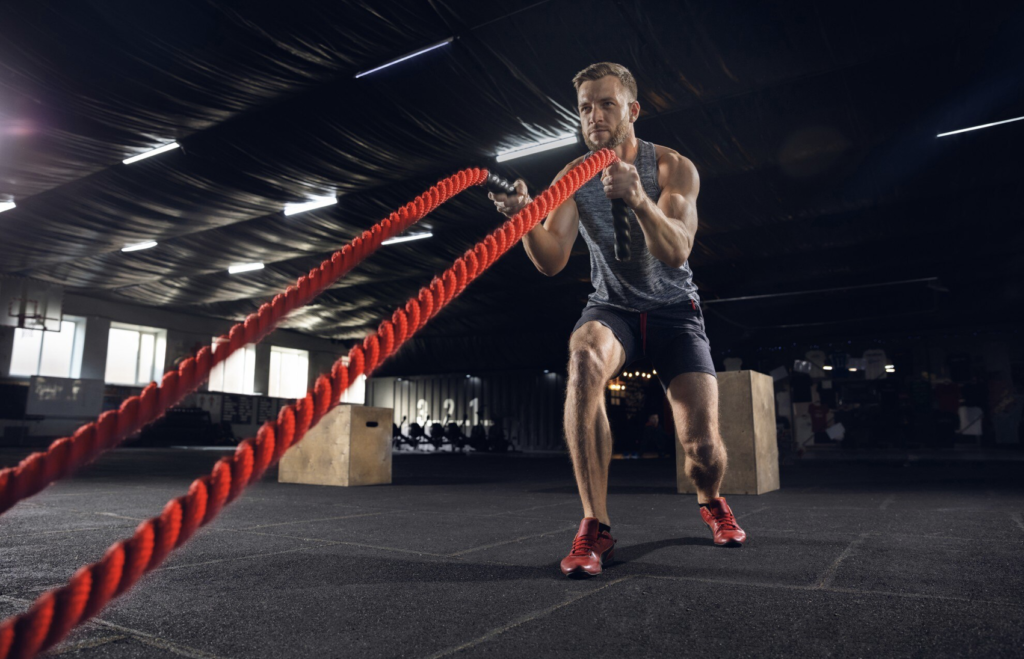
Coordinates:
[680,186]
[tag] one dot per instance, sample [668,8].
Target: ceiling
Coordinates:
[813,127]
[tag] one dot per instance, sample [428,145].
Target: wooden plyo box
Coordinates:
[350,446]
[746,405]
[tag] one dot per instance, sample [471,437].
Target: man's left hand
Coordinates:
[622,181]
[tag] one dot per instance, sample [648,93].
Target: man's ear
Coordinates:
[634,111]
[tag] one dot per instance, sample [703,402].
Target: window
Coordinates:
[356,392]
[237,373]
[135,354]
[289,372]
[52,354]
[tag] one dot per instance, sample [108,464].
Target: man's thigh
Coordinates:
[694,401]
[602,341]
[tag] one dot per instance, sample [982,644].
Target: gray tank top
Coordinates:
[643,283]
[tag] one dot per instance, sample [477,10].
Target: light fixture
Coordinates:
[303,206]
[469,376]
[826,368]
[853,370]
[244,267]
[994,123]
[137,246]
[405,57]
[153,152]
[546,371]
[655,372]
[537,147]
[405,239]
[6,206]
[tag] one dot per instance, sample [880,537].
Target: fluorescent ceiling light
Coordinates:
[154,152]
[137,246]
[405,57]
[537,147]
[405,239]
[853,370]
[826,368]
[303,206]
[6,206]
[994,123]
[244,267]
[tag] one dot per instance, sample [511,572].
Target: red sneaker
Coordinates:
[591,549]
[719,518]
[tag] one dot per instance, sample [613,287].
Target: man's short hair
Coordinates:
[602,69]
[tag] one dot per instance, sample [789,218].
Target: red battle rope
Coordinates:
[67,454]
[56,612]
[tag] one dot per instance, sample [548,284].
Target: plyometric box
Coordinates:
[350,446]
[746,405]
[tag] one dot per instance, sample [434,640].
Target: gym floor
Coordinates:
[459,557]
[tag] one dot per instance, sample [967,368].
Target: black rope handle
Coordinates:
[497,184]
[620,215]
[620,223]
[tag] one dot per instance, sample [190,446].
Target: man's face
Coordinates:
[604,109]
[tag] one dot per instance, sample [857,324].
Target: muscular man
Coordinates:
[647,306]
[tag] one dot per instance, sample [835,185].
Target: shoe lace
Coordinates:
[726,522]
[582,545]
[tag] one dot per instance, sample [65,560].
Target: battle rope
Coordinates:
[67,454]
[56,612]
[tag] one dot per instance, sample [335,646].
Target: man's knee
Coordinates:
[703,449]
[588,367]
[594,355]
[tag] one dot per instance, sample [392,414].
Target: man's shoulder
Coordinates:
[670,157]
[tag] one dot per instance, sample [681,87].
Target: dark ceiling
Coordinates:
[813,126]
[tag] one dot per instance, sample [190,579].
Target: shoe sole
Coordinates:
[606,559]
[730,544]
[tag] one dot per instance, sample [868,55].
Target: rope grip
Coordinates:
[498,185]
[620,224]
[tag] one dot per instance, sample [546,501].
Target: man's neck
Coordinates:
[627,151]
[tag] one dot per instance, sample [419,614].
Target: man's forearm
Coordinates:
[544,250]
[668,239]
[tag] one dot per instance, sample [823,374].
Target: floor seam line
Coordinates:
[309,521]
[338,542]
[88,644]
[240,558]
[507,542]
[826,579]
[150,639]
[158,642]
[522,620]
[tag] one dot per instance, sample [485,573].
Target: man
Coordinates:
[647,306]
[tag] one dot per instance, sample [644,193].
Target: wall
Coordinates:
[185,334]
[527,403]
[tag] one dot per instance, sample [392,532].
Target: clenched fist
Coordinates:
[510,204]
[622,181]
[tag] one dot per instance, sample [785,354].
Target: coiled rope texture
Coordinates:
[53,615]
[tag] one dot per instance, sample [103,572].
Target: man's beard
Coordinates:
[618,136]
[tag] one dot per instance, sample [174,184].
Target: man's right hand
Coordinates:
[510,204]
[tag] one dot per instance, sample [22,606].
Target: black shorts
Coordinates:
[673,338]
